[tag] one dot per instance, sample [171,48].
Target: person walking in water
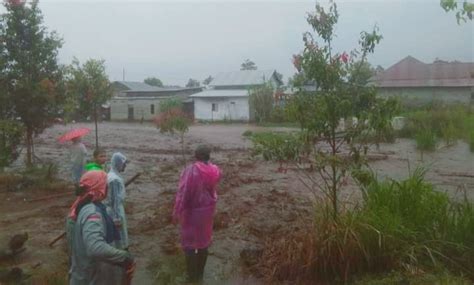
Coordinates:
[194,209]
[116,198]
[78,159]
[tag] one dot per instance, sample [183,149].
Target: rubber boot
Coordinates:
[191,266]
[201,263]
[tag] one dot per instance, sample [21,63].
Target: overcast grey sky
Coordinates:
[178,40]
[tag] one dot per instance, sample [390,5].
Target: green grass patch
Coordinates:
[400,226]
[168,269]
[413,278]
[446,123]
[425,140]
[279,125]
[247,133]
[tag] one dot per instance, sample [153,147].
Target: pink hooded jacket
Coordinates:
[195,204]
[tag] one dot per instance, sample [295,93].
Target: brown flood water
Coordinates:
[255,199]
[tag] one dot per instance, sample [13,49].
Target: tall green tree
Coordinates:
[5,100]
[192,83]
[153,81]
[208,80]
[248,65]
[279,76]
[360,72]
[32,71]
[463,11]
[90,86]
[261,102]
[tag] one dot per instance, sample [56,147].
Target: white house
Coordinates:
[140,101]
[228,95]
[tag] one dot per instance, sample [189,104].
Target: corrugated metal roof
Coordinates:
[138,86]
[410,72]
[164,89]
[242,78]
[221,93]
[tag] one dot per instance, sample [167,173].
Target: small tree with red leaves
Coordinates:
[337,114]
[172,119]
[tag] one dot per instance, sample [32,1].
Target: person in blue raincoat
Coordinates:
[116,198]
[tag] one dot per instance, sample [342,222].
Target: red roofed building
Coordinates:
[414,80]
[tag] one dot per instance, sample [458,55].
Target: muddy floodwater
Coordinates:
[255,200]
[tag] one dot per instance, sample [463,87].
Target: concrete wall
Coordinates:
[228,108]
[119,108]
[423,95]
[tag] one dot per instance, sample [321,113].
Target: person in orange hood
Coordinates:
[93,258]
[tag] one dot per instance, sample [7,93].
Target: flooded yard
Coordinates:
[255,200]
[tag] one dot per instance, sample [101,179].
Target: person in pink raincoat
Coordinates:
[194,209]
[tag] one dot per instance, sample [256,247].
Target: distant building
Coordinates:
[228,95]
[418,82]
[140,101]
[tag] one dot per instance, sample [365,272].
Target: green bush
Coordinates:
[278,115]
[277,146]
[399,226]
[247,133]
[449,123]
[449,133]
[261,102]
[170,104]
[419,226]
[425,140]
[11,135]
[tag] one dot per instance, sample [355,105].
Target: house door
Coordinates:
[130,113]
[232,111]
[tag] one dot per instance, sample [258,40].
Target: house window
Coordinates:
[232,103]
[152,109]
[215,107]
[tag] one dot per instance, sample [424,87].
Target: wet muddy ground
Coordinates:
[255,199]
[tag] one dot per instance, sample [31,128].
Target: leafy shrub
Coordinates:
[278,115]
[449,123]
[261,102]
[11,134]
[277,146]
[449,133]
[400,225]
[247,133]
[425,140]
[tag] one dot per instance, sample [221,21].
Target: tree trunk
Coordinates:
[29,146]
[96,129]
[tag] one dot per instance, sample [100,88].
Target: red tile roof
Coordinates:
[410,72]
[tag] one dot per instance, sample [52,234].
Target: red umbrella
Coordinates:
[75,133]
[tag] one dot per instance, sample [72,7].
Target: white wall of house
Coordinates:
[225,108]
[142,108]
